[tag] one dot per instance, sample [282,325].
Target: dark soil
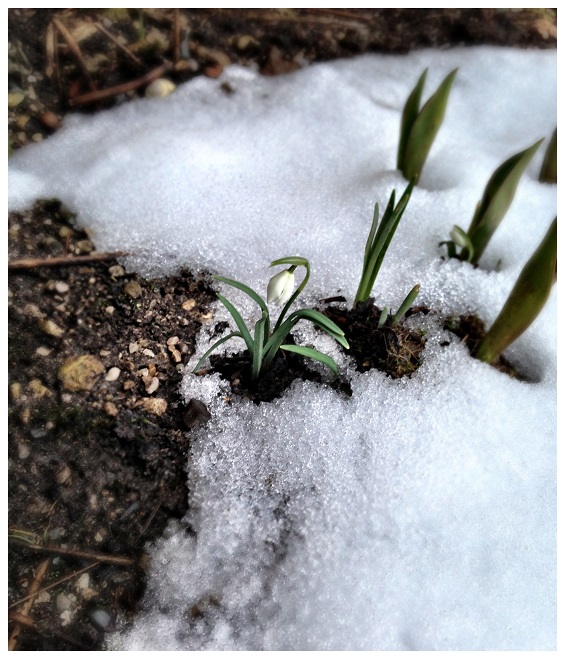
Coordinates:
[97,460]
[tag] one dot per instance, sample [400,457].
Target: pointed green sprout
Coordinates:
[263,345]
[403,308]
[378,241]
[548,173]
[526,300]
[497,197]
[418,128]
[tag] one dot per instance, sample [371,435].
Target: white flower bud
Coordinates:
[280,287]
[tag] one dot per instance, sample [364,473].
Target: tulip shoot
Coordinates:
[418,128]
[526,300]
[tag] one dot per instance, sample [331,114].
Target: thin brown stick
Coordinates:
[112,38]
[75,50]
[93,97]
[56,583]
[78,553]
[57,261]
[28,605]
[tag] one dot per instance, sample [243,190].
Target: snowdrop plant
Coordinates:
[525,301]
[418,128]
[264,344]
[497,197]
[380,236]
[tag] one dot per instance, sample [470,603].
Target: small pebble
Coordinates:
[110,409]
[148,353]
[133,289]
[159,88]
[61,287]
[42,351]
[173,341]
[133,347]
[104,353]
[113,374]
[157,406]
[153,386]
[63,474]
[102,619]
[63,602]
[23,451]
[65,231]
[116,271]
[188,305]
[110,310]
[85,246]
[51,328]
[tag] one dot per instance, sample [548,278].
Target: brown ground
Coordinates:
[96,463]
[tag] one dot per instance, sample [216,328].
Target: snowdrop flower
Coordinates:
[280,287]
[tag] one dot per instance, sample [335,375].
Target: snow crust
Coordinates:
[419,513]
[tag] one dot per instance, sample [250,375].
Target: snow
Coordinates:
[420,513]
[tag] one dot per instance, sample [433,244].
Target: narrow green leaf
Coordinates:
[497,197]
[290,260]
[371,236]
[211,350]
[383,237]
[462,239]
[245,335]
[403,308]
[242,287]
[424,130]
[525,301]
[451,251]
[323,322]
[313,354]
[548,172]
[383,317]
[258,347]
[409,114]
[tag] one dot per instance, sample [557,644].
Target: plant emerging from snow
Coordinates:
[262,343]
[418,128]
[376,247]
[525,301]
[497,197]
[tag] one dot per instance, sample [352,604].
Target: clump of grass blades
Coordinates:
[419,127]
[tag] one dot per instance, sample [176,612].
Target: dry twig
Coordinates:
[75,50]
[77,553]
[57,261]
[34,589]
[93,97]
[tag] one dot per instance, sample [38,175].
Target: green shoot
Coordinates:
[525,301]
[263,345]
[403,308]
[418,128]
[548,173]
[497,197]
[378,241]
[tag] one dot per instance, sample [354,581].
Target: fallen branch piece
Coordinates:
[28,605]
[78,553]
[93,97]
[54,262]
